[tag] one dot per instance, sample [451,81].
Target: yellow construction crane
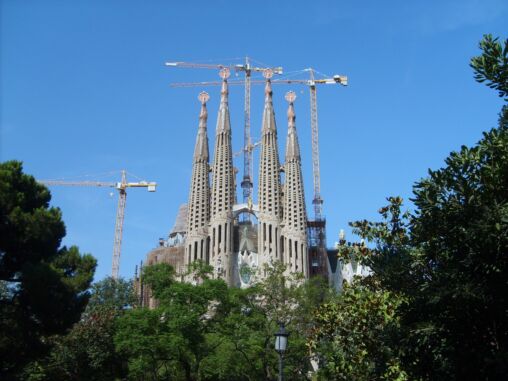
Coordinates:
[120,212]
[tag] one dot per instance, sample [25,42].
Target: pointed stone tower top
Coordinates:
[224,74]
[292,146]
[203,115]
[201,148]
[223,124]
[268,74]
[268,115]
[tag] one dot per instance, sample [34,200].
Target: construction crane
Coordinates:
[250,148]
[120,211]
[317,227]
[247,69]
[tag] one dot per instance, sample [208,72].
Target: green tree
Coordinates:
[445,268]
[461,226]
[44,285]
[88,352]
[491,67]
[448,261]
[207,331]
[357,335]
[352,335]
[169,342]
[246,335]
[116,294]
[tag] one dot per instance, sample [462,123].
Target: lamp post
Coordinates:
[281,342]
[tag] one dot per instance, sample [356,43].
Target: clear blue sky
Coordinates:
[84,91]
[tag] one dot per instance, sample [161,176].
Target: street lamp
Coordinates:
[281,342]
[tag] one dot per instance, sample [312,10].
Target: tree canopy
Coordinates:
[44,284]
[439,280]
[207,331]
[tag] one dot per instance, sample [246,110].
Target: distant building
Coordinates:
[340,272]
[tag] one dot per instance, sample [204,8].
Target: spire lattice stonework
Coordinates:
[197,245]
[294,230]
[223,190]
[269,189]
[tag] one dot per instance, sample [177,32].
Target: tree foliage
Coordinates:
[491,66]
[207,331]
[116,294]
[461,226]
[88,351]
[352,335]
[445,267]
[43,284]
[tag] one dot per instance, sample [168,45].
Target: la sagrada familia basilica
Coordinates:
[238,239]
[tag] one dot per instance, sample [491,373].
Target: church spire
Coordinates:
[268,114]
[292,146]
[201,148]
[223,190]
[269,189]
[198,208]
[223,123]
[294,230]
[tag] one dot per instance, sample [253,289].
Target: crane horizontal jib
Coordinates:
[79,183]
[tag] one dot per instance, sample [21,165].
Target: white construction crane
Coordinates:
[120,212]
[248,147]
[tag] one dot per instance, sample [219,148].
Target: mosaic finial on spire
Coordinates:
[268,74]
[224,74]
[290,98]
[203,98]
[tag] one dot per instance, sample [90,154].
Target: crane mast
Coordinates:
[317,201]
[247,182]
[120,213]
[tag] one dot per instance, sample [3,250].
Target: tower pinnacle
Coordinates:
[292,146]
[201,148]
[294,229]
[223,189]
[269,189]
[197,245]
